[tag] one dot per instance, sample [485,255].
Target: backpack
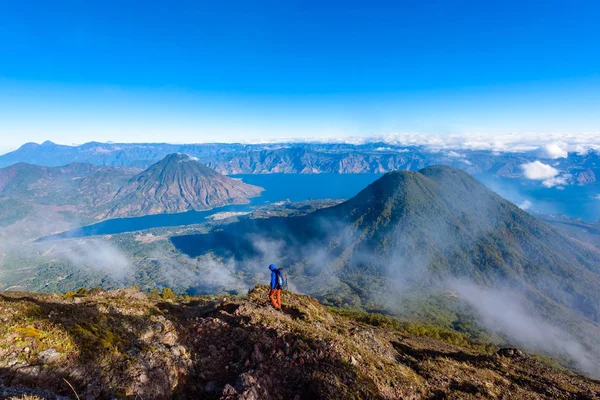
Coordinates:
[281,279]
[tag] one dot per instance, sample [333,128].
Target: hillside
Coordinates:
[73,190]
[423,232]
[124,343]
[176,184]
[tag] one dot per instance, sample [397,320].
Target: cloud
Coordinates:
[537,170]
[525,205]
[556,181]
[554,150]
[545,145]
[503,312]
[550,176]
[93,254]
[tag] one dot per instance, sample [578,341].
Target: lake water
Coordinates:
[573,201]
[278,187]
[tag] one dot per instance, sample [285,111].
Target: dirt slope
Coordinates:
[125,344]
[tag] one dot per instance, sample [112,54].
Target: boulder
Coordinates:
[49,356]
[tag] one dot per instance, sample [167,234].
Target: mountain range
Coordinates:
[431,229]
[376,157]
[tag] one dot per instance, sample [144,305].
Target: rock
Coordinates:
[178,351]
[34,370]
[257,356]
[229,390]
[244,382]
[510,352]
[169,338]
[353,360]
[49,356]
[143,378]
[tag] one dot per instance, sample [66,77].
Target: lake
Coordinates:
[278,187]
[572,201]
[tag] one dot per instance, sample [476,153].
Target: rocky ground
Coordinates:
[126,344]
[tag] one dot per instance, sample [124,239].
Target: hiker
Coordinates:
[276,283]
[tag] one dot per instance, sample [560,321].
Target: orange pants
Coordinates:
[275,297]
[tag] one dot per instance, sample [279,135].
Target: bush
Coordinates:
[168,294]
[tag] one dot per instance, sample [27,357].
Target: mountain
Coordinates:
[73,190]
[305,158]
[176,184]
[422,231]
[127,344]
[439,218]
[46,200]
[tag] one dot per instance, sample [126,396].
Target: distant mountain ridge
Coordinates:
[304,158]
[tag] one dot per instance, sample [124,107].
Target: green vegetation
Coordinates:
[167,294]
[417,329]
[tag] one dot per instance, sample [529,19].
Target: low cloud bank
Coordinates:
[547,145]
[95,254]
[502,311]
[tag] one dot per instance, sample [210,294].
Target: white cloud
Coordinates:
[554,150]
[557,181]
[525,205]
[537,170]
[549,176]
[546,145]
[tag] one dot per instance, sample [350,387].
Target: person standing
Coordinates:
[276,283]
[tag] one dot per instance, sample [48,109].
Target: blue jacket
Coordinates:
[274,273]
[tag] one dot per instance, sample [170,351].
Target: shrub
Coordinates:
[168,294]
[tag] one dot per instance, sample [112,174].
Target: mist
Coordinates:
[502,311]
[94,254]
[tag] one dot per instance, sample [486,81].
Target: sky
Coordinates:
[223,71]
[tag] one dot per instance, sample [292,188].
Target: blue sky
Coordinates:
[74,71]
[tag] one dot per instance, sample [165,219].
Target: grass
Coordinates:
[416,329]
